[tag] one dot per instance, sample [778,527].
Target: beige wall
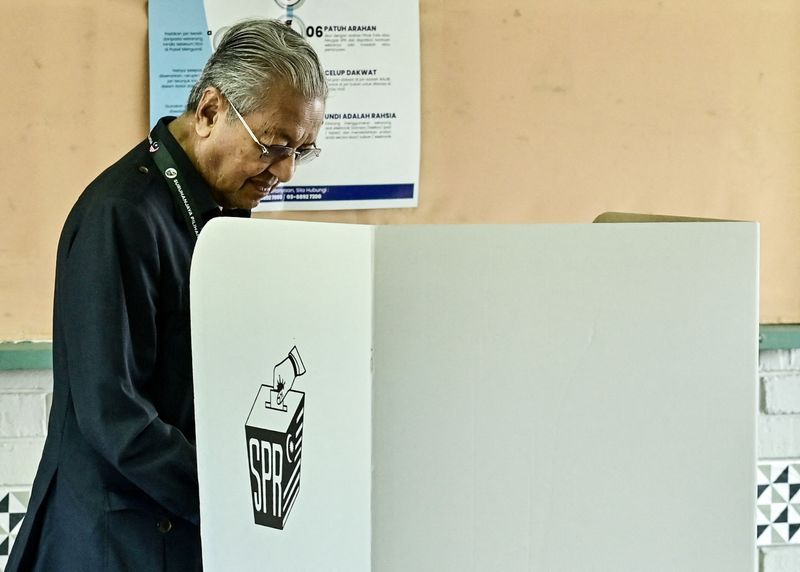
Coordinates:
[533,111]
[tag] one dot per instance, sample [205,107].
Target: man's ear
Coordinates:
[210,109]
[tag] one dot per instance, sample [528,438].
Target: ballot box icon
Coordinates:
[274,434]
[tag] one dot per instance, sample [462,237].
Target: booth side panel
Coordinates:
[565,398]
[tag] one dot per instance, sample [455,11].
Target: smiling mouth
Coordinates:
[262,188]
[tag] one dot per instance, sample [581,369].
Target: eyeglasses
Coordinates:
[275,153]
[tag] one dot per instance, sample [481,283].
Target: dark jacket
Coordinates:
[116,488]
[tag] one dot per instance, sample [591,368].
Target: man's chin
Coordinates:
[247,203]
[256,200]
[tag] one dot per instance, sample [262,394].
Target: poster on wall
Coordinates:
[370,51]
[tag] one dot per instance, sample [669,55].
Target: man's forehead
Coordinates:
[289,114]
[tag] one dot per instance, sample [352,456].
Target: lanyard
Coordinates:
[180,191]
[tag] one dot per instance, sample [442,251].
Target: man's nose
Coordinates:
[283,170]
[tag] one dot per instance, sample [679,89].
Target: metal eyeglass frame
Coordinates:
[278,152]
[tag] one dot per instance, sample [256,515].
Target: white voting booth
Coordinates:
[476,398]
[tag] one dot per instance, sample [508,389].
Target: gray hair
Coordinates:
[254,55]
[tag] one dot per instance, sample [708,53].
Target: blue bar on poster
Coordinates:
[341,193]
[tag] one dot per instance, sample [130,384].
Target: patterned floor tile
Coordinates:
[13,504]
[778,502]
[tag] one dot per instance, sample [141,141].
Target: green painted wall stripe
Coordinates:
[39,355]
[26,355]
[779,336]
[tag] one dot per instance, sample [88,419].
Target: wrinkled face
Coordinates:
[230,160]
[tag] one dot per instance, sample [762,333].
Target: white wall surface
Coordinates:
[24,406]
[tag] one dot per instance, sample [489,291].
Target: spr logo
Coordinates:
[171,173]
[274,434]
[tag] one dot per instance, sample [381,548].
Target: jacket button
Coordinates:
[143,169]
[164,525]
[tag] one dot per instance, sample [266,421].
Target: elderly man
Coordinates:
[116,488]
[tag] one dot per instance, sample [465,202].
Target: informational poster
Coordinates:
[370,51]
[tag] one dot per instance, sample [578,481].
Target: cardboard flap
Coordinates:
[638,217]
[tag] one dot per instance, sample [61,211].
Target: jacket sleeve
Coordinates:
[108,291]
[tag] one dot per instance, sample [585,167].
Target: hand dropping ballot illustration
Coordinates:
[274,433]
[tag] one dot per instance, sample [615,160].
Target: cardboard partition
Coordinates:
[489,397]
